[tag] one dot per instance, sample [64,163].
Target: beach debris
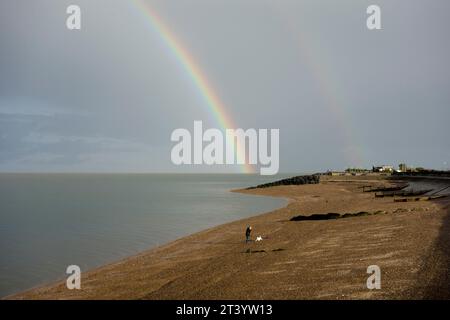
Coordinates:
[259,238]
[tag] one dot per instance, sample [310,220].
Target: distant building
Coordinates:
[383,168]
[404,168]
[336,173]
[357,171]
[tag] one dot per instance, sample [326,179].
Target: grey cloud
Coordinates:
[109,96]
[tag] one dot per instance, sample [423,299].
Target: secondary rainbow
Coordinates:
[313,58]
[198,78]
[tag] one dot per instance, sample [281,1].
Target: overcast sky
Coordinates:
[107,97]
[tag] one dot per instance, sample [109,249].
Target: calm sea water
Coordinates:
[50,221]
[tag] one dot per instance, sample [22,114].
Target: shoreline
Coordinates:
[217,254]
[150,249]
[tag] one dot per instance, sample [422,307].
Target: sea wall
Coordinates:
[297,180]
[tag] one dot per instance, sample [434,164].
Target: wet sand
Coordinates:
[327,259]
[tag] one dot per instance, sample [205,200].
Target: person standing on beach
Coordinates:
[247,234]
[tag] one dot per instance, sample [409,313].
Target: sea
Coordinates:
[51,221]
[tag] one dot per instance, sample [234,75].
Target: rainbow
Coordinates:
[198,78]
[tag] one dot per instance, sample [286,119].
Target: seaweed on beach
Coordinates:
[332,216]
[255,251]
[327,216]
